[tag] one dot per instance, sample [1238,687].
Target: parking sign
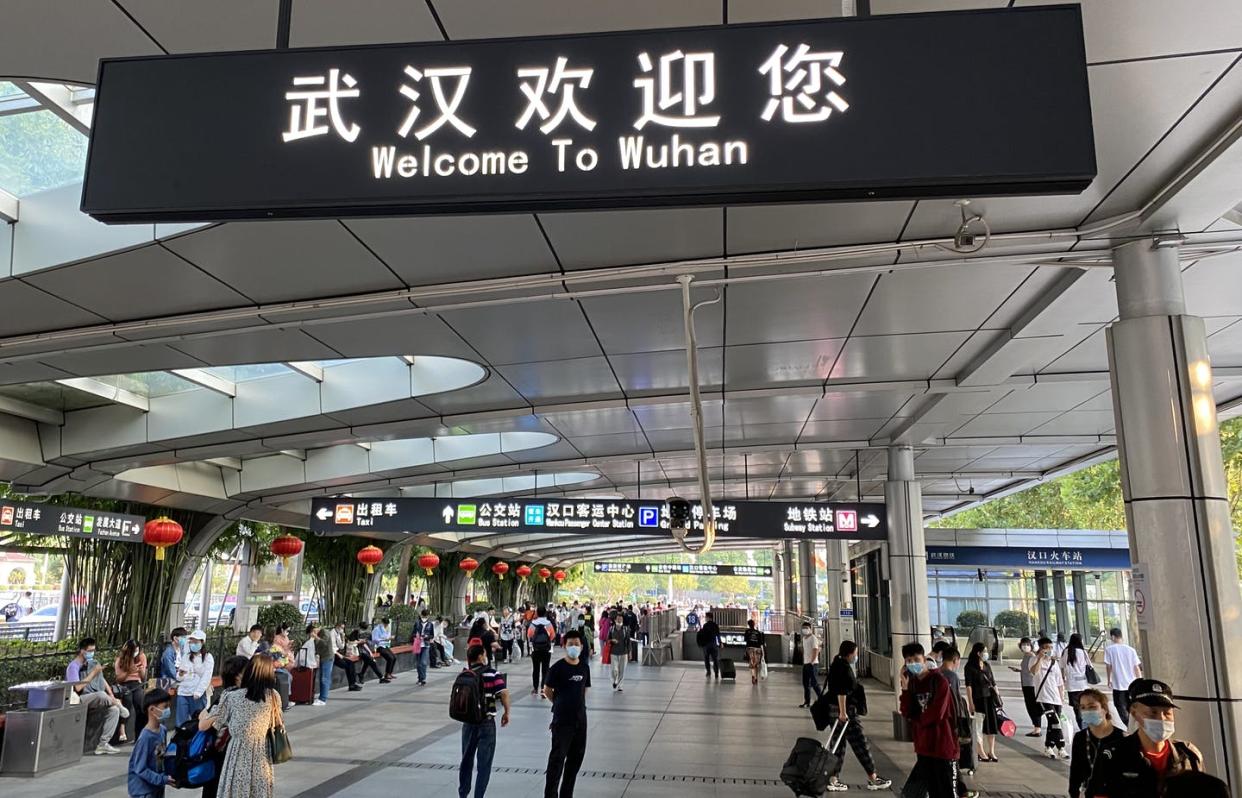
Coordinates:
[648,516]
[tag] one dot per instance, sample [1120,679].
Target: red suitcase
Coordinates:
[302,691]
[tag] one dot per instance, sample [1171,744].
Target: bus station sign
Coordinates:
[894,106]
[31,518]
[747,519]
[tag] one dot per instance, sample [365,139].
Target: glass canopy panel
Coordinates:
[38,150]
[256,371]
[52,396]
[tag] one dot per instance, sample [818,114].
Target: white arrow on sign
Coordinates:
[324,514]
[448,515]
[869,520]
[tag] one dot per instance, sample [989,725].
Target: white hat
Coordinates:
[198,634]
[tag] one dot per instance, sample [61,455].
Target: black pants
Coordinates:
[568,749]
[1074,695]
[390,660]
[346,664]
[931,777]
[810,681]
[539,661]
[1121,700]
[711,659]
[130,694]
[858,741]
[1054,738]
[438,654]
[368,664]
[506,649]
[1032,706]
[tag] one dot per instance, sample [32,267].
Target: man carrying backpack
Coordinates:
[473,702]
[540,633]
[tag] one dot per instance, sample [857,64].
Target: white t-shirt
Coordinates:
[1123,663]
[1050,693]
[1076,672]
[810,646]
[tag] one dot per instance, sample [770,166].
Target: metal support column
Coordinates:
[907,556]
[807,598]
[1082,621]
[791,578]
[204,595]
[778,581]
[1177,505]
[1062,598]
[839,596]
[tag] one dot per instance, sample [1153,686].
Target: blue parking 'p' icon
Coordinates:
[649,516]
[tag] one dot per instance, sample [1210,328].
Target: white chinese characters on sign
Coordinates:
[691,85]
[306,106]
[558,80]
[799,84]
[446,105]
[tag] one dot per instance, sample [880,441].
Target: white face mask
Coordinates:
[573,651]
[984,656]
[1025,649]
[1158,730]
[806,631]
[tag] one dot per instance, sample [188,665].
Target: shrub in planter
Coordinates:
[969,619]
[1014,623]
[281,612]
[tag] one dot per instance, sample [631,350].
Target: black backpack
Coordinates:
[541,640]
[466,699]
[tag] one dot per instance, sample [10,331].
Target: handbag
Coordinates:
[279,749]
[417,645]
[763,669]
[1006,725]
[1092,676]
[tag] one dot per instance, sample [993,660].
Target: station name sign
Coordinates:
[48,519]
[747,519]
[923,105]
[1058,558]
[682,569]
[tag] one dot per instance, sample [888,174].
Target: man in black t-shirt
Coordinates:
[566,687]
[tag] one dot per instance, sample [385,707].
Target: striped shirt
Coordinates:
[493,686]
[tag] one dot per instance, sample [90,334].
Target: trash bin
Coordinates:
[47,734]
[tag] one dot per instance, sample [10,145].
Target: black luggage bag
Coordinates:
[811,765]
[728,670]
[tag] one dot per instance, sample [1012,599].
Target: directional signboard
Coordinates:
[774,520]
[48,519]
[683,569]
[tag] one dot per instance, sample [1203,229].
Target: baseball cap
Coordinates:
[1152,692]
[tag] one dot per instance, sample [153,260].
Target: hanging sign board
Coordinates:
[683,569]
[1059,558]
[773,520]
[1141,586]
[31,518]
[892,106]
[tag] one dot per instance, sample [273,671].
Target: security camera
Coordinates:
[680,516]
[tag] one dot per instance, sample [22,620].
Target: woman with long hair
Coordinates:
[131,677]
[230,680]
[982,685]
[248,714]
[1076,662]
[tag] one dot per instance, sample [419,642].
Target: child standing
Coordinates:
[146,764]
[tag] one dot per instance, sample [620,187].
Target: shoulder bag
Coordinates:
[279,749]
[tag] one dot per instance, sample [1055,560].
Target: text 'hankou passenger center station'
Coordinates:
[502,278]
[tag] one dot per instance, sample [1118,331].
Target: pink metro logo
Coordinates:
[847,521]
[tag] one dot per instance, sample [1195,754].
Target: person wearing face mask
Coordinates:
[1094,748]
[130,667]
[85,676]
[169,658]
[1050,693]
[810,665]
[1028,686]
[566,687]
[1076,664]
[985,699]
[195,670]
[1150,756]
[146,777]
[847,691]
[927,702]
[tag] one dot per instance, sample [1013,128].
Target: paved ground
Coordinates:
[671,732]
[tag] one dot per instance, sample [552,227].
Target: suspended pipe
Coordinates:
[696,414]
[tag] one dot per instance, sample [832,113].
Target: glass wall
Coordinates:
[871,607]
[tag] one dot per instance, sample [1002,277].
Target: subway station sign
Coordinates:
[683,569]
[747,519]
[922,105]
[30,518]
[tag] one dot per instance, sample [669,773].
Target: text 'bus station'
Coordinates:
[382,382]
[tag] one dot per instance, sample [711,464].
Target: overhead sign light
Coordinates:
[683,569]
[31,518]
[854,108]
[774,520]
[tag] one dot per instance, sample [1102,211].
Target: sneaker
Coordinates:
[353,688]
[422,684]
[124,712]
[879,783]
[106,748]
[620,689]
[318,703]
[835,785]
[614,685]
[1050,752]
[1062,754]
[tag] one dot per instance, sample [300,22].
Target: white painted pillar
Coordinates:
[907,556]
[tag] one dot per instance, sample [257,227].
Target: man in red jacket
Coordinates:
[927,701]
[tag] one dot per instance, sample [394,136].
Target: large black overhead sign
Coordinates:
[683,569]
[48,519]
[921,105]
[775,520]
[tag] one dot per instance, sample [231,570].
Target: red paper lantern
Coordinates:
[286,546]
[469,565]
[370,556]
[161,533]
[523,571]
[544,573]
[500,569]
[559,576]
[428,562]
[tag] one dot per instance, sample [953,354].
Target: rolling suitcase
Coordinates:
[728,670]
[302,690]
[812,765]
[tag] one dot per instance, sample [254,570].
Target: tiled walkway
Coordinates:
[670,733]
